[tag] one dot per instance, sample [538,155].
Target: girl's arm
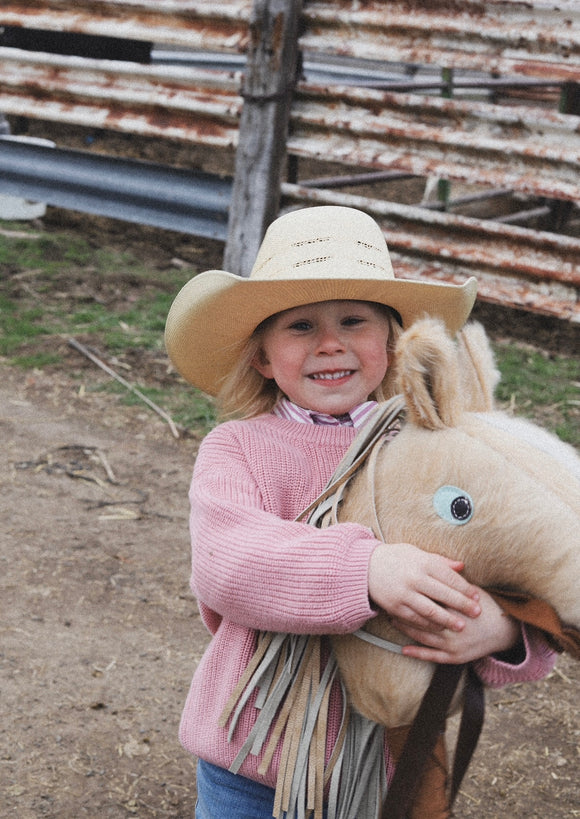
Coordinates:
[256,567]
[259,569]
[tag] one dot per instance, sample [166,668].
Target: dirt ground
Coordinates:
[100,633]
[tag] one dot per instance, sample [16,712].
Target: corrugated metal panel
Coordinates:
[523,37]
[201,24]
[515,266]
[530,150]
[524,147]
[188,104]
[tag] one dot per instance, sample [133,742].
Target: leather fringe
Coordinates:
[292,694]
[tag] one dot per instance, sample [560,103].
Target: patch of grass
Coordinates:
[188,407]
[120,305]
[18,323]
[194,411]
[60,285]
[47,253]
[35,362]
[540,387]
[141,326]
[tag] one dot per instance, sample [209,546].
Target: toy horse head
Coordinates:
[467,482]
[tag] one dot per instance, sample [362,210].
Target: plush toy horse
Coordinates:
[459,479]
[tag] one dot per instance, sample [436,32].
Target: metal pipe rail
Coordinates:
[172,198]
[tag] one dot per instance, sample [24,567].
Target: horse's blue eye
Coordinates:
[453,505]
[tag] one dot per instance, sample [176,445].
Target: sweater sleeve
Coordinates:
[536,662]
[260,570]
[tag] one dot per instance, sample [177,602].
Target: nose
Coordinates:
[329,341]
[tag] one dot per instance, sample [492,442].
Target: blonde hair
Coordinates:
[245,393]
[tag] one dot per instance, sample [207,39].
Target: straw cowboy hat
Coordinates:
[308,255]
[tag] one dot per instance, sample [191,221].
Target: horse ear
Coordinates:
[428,375]
[479,375]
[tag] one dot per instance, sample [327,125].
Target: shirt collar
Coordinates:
[292,412]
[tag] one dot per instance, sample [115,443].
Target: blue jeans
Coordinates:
[224,795]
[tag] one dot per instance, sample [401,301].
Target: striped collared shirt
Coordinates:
[292,412]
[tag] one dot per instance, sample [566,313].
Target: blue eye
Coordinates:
[453,505]
[300,326]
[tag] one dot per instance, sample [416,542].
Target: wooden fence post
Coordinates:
[267,90]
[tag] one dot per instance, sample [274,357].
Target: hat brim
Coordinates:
[216,312]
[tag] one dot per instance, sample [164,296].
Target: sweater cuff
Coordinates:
[533,660]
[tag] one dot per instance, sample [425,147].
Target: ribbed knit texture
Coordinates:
[254,567]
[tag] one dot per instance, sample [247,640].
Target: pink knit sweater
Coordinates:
[254,568]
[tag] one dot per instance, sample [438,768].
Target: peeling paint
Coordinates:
[186,23]
[532,39]
[525,146]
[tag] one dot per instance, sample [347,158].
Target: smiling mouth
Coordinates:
[330,376]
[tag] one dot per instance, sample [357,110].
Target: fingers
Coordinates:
[454,592]
[487,634]
[443,646]
[422,589]
[430,655]
[451,579]
[437,596]
[425,614]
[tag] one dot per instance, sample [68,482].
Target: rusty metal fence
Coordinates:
[484,97]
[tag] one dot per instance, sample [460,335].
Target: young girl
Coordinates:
[300,352]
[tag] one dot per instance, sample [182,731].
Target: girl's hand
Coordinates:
[421,590]
[490,633]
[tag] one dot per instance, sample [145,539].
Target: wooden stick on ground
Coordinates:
[86,352]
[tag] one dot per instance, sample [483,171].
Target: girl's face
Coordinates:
[327,356]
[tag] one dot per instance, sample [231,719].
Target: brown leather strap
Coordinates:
[425,731]
[541,615]
[472,717]
[427,726]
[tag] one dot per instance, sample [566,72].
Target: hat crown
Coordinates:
[309,255]
[323,243]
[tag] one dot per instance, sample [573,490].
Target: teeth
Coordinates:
[330,376]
